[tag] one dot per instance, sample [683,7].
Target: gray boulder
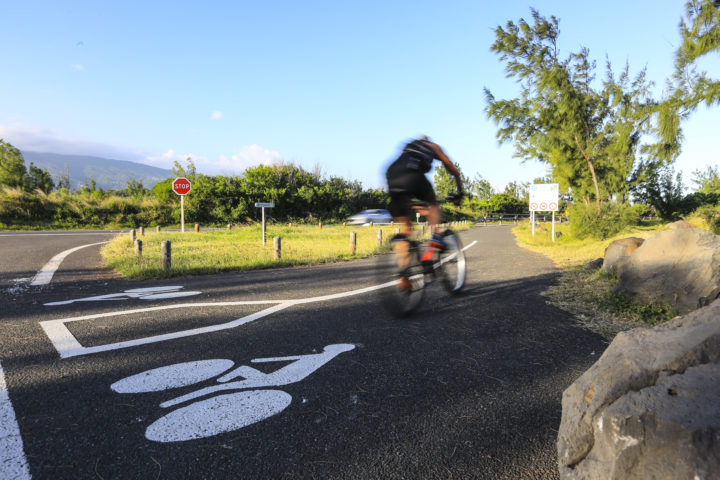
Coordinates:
[679,267]
[648,408]
[680,224]
[618,251]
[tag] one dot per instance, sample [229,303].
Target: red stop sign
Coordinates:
[181,186]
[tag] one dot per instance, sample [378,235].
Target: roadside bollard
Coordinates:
[142,231]
[166,248]
[422,230]
[379,238]
[371,223]
[132,236]
[320,225]
[197,228]
[277,244]
[229,227]
[138,248]
[289,225]
[157,228]
[344,224]
[353,243]
[397,230]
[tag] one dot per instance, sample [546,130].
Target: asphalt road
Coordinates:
[144,385]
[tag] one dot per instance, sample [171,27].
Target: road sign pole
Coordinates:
[182,213]
[263,226]
[553,225]
[532,221]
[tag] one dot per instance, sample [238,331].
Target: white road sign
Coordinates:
[544,197]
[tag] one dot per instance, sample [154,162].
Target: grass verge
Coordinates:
[209,252]
[587,292]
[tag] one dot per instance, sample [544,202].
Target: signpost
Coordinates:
[544,197]
[263,206]
[182,187]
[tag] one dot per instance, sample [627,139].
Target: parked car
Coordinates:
[366,216]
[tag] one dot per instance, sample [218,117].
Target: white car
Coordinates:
[375,216]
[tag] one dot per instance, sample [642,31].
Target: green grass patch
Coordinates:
[209,252]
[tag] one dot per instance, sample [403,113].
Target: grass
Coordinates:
[586,292]
[209,252]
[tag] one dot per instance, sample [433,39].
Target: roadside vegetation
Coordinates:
[583,289]
[208,252]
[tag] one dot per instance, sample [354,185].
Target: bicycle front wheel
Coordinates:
[453,265]
[404,292]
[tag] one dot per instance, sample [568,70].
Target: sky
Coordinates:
[334,85]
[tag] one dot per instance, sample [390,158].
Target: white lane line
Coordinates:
[67,345]
[46,273]
[13,463]
[57,234]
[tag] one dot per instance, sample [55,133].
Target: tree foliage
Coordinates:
[590,138]
[13,172]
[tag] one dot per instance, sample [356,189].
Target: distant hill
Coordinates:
[108,174]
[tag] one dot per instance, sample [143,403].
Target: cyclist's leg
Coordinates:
[427,194]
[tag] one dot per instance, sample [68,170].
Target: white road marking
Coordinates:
[149,293]
[46,273]
[58,234]
[13,463]
[68,346]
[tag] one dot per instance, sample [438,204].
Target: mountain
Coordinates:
[108,174]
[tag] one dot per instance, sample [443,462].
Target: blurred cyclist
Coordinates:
[406,180]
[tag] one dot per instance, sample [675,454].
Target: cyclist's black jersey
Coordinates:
[417,156]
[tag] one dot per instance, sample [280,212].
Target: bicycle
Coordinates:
[427,261]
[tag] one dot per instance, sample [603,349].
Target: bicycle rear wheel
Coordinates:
[453,267]
[400,302]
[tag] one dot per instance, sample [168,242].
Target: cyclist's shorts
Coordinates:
[404,187]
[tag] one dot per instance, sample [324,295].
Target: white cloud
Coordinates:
[216,115]
[78,67]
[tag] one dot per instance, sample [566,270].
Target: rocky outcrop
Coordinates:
[648,408]
[679,225]
[679,267]
[619,250]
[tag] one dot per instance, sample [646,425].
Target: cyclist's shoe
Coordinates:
[439,241]
[404,284]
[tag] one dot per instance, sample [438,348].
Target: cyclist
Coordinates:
[406,180]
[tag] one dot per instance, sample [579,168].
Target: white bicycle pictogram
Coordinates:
[226,412]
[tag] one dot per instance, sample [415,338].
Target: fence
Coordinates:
[501,218]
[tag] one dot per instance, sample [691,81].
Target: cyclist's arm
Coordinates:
[449,166]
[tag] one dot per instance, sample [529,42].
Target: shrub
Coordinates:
[711,214]
[585,221]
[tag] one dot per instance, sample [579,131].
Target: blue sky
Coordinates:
[335,84]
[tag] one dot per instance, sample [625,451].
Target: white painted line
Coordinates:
[46,273]
[13,463]
[57,234]
[68,346]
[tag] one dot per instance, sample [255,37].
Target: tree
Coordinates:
[39,179]
[481,188]
[12,166]
[445,183]
[700,34]
[590,138]
[519,190]
[664,192]
[707,181]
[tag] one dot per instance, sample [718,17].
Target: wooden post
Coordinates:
[371,223]
[197,228]
[229,227]
[138,248]
[132,236]
[157,228]
[277,244]
[397,230]
[142,231]
[353,243]
[379,237]
[344,224]
[166,248]
[320,225]
[422,230]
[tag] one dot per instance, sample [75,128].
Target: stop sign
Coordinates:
[181,186]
